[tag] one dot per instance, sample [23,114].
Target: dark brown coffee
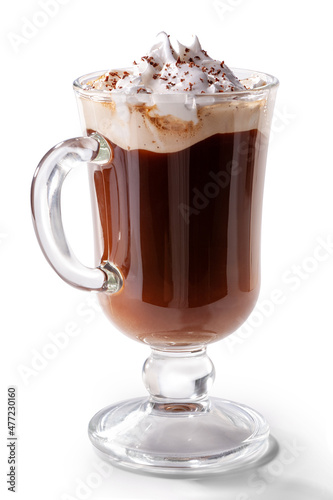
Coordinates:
[184,229]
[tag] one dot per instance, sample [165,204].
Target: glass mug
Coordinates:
[177,221]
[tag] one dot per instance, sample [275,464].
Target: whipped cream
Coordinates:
[172,99]
[167,69]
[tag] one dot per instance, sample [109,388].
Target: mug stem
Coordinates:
[179,380]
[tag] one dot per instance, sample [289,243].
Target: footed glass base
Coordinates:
[172,438]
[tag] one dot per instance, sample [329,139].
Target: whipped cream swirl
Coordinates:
[166,69]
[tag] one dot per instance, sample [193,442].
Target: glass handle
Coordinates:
[46,212]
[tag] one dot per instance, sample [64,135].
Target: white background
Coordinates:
[279,363]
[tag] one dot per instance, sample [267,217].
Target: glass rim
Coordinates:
[99,94]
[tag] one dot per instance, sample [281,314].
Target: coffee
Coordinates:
[179,204]
[184,229]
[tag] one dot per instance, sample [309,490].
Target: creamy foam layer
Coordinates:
[140,126]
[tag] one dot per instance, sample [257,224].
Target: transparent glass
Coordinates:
[177,186]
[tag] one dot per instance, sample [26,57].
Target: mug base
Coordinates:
[179,439]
